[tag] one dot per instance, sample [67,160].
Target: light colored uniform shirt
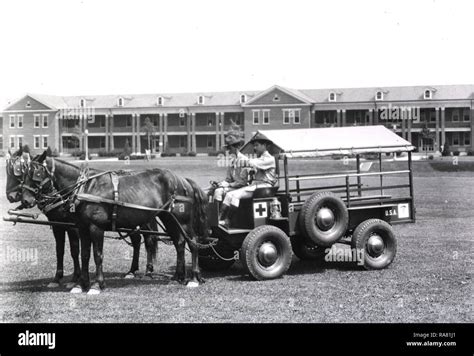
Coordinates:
[266,168]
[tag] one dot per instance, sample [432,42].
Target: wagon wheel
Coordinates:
[266,252]
[323,219]
[209,261]
[306,252]
[376,240]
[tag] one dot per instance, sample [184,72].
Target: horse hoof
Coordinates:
[192,284]
[76,290]
[70,285]
[53,285]
[93,291]
[129,275]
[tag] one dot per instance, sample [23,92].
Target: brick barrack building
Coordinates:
[186,122]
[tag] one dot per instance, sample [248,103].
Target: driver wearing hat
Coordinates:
[265,176]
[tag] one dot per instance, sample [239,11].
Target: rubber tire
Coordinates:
[256,238]
[361,235]
[310,230]
[306,252]
[209,261]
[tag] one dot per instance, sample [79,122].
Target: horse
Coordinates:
[17,168]
[177,202]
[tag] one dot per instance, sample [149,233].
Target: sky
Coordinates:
[83,47]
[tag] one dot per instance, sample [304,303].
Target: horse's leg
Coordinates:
[136,239]
[85,257]
[59,236]
[179,244]
[151,245]
[196,271]
[74,247]
[97,236]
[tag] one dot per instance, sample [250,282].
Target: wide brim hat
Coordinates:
[260,138]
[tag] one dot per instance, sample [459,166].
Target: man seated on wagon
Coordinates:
[265,177]
[237,174]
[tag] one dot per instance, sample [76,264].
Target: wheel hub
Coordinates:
[375,245]
[267,254]
[325,218]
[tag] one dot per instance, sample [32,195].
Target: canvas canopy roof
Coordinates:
[329,141]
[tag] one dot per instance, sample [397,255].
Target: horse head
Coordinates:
[16,166]
[35,181]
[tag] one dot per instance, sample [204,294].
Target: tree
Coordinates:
[149,129]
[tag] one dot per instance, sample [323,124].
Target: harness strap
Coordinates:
[115,183]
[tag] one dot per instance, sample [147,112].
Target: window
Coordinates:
[432,116]
[455,116]
[128,123]
[210,121]
[332,96]
[243,98]
[428,94]
[237,120]
[28,105]
[201,100]
[210,141]
[83,103]
[19,141]
[455,138]
[467,138]
[296,116]
[182,141]
[12,121]
[102,142]
[266,117]
[182,120]
[256,117]
[286,117]
[36,142]
[379,95]
[45,142]
[45,120]
[37,121]
[12,142]
[276,97]
[120,102]
[466,116]
[19,123]
[160,101]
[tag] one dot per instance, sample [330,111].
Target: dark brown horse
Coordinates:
[17,170]
[182,202]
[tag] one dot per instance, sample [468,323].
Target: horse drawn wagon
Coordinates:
[308,213]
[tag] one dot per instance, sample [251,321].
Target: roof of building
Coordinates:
[329,141]
[232,98]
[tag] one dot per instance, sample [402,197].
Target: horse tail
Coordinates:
[200,210]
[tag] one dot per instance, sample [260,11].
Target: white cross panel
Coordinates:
[260,210]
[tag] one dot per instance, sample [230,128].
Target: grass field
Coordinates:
[429,281]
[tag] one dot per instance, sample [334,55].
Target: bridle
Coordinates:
[17,168]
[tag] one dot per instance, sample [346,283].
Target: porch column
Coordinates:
[436,143]
[138,133]
[443,126]
[338,118]
[343,117]
[471,118]
[188,132]
[376,116]
[106,133]
[193,132]
[133,133]
[222,128]
[81,133]
[111,132]
[165,134]
[410,119]
[160,128]
[58,132]
[403,117]
[218,146]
